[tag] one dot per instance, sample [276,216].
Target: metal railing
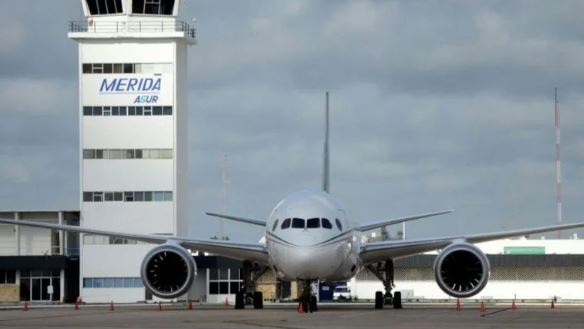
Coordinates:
[133,26]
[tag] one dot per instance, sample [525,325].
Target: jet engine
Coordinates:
[168,271]
[461,270]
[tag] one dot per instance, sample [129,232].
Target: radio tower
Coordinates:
[558,164]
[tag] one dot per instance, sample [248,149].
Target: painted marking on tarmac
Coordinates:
[261,323]
[495,312]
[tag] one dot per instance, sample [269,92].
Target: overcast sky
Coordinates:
[434,105]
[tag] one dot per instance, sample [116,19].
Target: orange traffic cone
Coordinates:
[190,304]
[553,305]
[112,308]
[483,309]
[25,306]
[458,307]
[513,306]
[159,308]
[226,302]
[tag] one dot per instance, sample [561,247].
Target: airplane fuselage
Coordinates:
[309,236]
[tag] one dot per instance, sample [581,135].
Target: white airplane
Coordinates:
[309,237]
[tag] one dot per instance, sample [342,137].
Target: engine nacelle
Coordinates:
[462,270]
[168,271]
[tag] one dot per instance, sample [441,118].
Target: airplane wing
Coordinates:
[392,221]
[241,251]
[239,219]
[380,251]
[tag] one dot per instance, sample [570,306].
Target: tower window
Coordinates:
[97,196]
[153,7]
[104,7]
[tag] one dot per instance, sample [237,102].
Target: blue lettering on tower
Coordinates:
[130,85]
[146,99]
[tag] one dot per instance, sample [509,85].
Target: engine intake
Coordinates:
[168,271]
[462,270]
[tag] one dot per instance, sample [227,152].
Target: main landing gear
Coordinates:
[248,294]
[308,301]
[385,273]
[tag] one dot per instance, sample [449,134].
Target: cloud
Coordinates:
[11,37]
[435,104]
[27,95]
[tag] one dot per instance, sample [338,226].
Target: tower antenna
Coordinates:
[558,164]
[225,181]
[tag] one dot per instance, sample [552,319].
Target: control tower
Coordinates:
[133,137]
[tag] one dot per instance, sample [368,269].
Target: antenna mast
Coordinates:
[558,164]
[225,181]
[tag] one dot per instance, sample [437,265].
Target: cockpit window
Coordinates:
[339,225]
[297,223]
[275,225]
[326,224]
[313,223]
[286,223]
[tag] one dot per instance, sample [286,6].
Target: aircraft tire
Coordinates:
[258,300]
[313,304]
[239,301]
[378,300]
[397,301]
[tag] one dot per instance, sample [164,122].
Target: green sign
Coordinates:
[524,250]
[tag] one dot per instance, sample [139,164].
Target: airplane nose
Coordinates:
[311,262]
[305,239]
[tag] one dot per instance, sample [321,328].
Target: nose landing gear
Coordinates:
[384,271]
[308,301]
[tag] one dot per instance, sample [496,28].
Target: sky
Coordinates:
[434,105]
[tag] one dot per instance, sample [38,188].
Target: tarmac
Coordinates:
[286,316]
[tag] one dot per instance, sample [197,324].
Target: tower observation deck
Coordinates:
[131,18]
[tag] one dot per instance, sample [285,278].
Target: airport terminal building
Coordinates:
[133,117]
[36,264]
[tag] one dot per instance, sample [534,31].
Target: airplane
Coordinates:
[309,237]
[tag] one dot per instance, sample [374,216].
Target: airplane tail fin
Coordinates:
[326,163]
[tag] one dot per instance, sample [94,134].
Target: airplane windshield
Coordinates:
[297,223]
[275,225]
[313,223]
[339,225]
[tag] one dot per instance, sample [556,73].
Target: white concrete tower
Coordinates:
[133,136]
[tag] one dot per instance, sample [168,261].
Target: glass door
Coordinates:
[40,286]
[36,289]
